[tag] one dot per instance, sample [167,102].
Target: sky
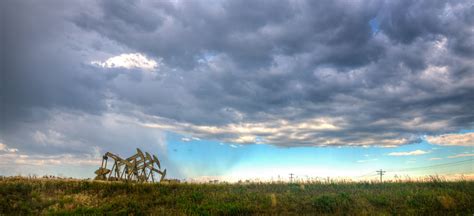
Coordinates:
[236,90]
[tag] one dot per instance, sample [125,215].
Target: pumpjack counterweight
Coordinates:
[138,168]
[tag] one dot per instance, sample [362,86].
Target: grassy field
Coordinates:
[30,196]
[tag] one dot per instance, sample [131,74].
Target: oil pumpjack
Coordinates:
[140,167]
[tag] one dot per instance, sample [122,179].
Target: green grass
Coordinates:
[22,196]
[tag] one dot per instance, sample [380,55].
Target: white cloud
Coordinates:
[12,157]
[186,139]
[466,139]
[189,139]
[411,153]
[435,158]
[233,146]
[368,160]
[461,155]
[4,148]
[42,160]
[128,61]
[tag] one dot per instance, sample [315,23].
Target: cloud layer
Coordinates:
[465,139]
[286,73]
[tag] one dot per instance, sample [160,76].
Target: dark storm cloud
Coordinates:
[288,73]
[41,67]
[249,32]
[405,21]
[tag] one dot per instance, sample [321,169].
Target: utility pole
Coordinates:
[381,173]
[291,177]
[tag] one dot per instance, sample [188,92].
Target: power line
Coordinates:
[370,174]
[437,165]
[366,175]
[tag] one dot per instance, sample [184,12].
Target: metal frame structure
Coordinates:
[140,167]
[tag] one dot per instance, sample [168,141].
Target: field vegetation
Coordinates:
[61,196]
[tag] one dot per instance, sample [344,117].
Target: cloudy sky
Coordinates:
[238,89]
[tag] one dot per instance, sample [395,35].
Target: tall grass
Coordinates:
[57,196]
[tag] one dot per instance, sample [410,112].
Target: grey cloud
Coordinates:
[42,63]
[311,60]
[74,139]
[249,32]
[243,64]
[405,21]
